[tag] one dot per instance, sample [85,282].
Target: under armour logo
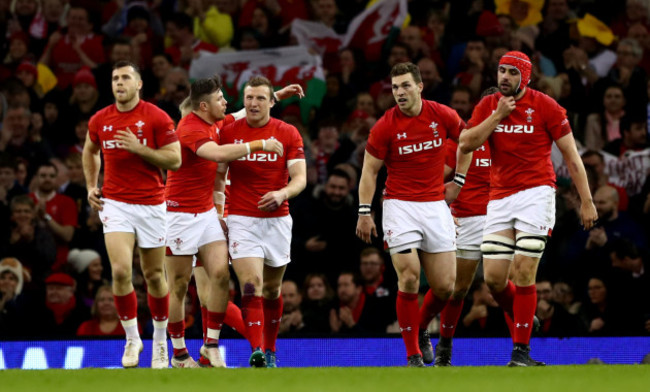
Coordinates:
[239,141]
[447,326]
[276,321]
[108,128]
[251,323]
[408,329]
[522,325]
[401,136]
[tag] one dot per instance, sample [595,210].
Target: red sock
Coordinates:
[214,324]
[407,317]
[524,308]
[449,317]
[204,321]
[159,307]
[234,319]
[431,306]
[272,316]
[177,334]
[126,305]
[253,315]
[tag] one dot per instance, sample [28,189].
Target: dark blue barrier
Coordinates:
[328,352]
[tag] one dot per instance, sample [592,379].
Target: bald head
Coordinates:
[606,201]
[429,72]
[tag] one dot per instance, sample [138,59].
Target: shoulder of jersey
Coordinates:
[103,111]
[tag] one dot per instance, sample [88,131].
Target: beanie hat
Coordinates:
[80,259]
[84,75]
[13,265]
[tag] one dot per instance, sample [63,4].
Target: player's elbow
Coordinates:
[465,144]
[175,164]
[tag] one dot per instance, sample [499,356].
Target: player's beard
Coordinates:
[510,92]
[128,97]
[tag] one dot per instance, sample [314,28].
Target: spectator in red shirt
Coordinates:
[66,52]
[105,321]
[57,211]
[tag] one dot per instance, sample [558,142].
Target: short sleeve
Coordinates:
[450,153]
[296,149]
[225,134]
[455,124]
[482,111]
[378,140]
[557,122]
[165,131]
[92,130]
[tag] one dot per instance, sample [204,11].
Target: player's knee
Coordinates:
[271,291]
[530,245]
[153,276]
[460,291]
[443,293]
[178,286]
[409,280]
[121,275]
[495,283]
[497,247]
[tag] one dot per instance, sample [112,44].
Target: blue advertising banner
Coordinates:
[321,352]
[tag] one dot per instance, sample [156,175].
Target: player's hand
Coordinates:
[128,141]
[271,201]
[94,199]
[451,192]
[365,228]
[273,145]
[289,91]
[588,214]
[505,106]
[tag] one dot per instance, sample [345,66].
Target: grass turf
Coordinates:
[590,378]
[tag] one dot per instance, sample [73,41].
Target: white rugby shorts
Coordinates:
[187,232]
[531,211]
[470,237]
[147,222]
[427,226]
[265,238]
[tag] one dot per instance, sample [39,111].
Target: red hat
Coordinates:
[84,76]
[488,25]
[521,63]
[358,113]
[60,278]
[29,67]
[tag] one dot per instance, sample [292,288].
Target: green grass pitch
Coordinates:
[588,378]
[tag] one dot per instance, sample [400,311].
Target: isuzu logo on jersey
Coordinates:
[260,157]
[112,144]
[428,145]
[515,128]
[483,162]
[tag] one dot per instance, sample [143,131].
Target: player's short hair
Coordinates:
[257,81]
[400,69]
[489,91]
[126,63]
[201,89]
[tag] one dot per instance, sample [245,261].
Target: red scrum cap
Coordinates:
[521,62]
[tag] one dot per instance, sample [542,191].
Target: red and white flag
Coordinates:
[370,29]
[316,36]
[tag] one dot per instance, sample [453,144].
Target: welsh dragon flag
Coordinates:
[368,31]
[282,66]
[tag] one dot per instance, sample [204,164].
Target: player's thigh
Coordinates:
[178,271]
[272,280]
[407,267]
[214,257]
[152,261]
[249,271]
[119,246]
[440,269]
[202,284]
[465,271]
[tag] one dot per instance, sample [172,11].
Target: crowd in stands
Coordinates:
[593,57]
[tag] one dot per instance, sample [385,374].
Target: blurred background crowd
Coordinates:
[593,57]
